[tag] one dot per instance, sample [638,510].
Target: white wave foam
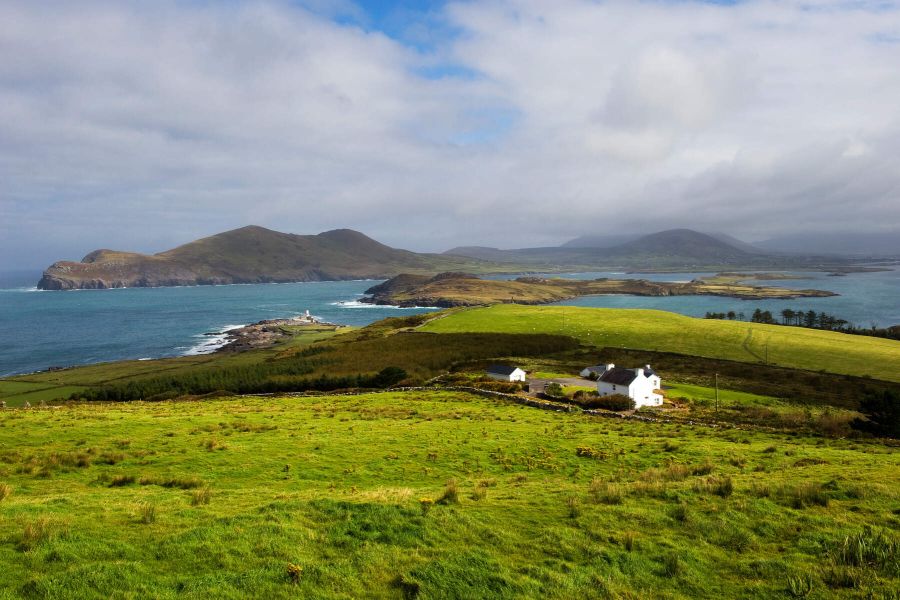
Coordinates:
[210,343]
[358,304]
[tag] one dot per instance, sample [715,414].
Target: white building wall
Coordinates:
[641,390]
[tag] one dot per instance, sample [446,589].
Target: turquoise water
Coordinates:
[43,329]
[865,298]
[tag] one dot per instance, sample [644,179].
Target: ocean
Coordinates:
[41,329]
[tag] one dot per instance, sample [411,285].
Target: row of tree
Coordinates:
[808,318]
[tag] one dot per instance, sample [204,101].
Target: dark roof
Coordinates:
[596,369]
[501,369]
[619,376]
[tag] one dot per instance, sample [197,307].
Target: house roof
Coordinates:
[596,369]
[501,369]
[619,376]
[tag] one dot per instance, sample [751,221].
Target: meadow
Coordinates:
[654,330]
[433,495]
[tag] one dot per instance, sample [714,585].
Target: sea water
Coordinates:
[42,329]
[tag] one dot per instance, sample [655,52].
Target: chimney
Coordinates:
[647,368]
[639,372]
[610,366]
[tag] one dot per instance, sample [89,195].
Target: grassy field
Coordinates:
[56,385]
[793,347]
[432,495]
[726,397]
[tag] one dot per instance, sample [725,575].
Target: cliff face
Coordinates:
[247,255]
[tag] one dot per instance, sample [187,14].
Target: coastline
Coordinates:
[266,333]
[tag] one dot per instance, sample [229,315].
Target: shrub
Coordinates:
[554,390]
[5,491]
[584,396]
[295,572]
[615,402]
[574,506]
[589,452]
[882,412]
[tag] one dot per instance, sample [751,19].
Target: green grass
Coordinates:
[726,397]
[58,385]
[327,497]
[793,347]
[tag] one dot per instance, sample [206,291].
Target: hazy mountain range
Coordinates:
[257,255]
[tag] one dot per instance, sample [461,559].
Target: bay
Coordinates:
[43,329]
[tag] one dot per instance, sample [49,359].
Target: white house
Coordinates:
[639,384]
[506,373]
[596,371]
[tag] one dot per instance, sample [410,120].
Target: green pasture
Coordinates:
[726,397]
[655,330]
[432,495]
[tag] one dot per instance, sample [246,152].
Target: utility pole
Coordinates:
[717,393]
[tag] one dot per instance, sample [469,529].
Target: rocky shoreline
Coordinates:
[266,333]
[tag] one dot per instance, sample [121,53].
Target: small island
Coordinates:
[462,289]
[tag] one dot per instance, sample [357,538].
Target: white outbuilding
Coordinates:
[640,384]
[506,373]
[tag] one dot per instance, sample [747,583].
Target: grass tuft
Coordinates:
[201,497]
[40,531]
[451,493]
[147,513]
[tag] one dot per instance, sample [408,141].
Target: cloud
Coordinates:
[518,123]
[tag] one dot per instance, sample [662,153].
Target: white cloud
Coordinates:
[145,125]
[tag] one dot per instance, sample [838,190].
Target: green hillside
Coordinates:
[669,332]
[252,255]
[427,495]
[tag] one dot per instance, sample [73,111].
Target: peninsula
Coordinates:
[251,255]
[462,289]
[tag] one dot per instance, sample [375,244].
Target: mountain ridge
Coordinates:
[250,254]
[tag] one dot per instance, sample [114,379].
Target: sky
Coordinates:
[426,125]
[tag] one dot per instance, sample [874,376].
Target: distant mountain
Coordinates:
[674,249]
[739,244]
[836,244]
[599,241]
[478,252]
[611,241]
[685,243]
[249,255]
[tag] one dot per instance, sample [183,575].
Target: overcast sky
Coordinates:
[141,125]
